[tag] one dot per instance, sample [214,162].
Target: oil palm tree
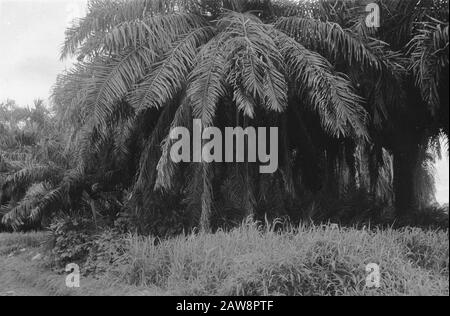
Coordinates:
[419,116]
[28,152]
[147,66]
[36,178]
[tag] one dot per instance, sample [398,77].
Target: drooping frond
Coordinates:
[19,214]
[330,94]
[43,198]
[102,15]
[275,87]
[123,133]
[51,201]
[113,78]
[399,18]
[429,51]
[166,168]
[159,31]
[245,103]
[69,94]
[152,150]
[384,185]
[31,174]
[167,77]
[333,40]
[255,61]
[124,22]
[206,82]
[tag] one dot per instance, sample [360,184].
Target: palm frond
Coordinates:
[102,15]
[341,44]
[51,201]
[429,51]
[21,213]
[112,80]
[158,31]
[21,179]
[256,62]
[168,76]
[244,102]
[276,90]
[152,151]
[166,167]
[206,82]
[330,94]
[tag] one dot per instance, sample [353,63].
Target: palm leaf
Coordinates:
[206,82]
[429,51]
[168,76]
[330,94]
[340,44]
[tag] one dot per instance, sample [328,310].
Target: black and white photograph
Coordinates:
[218,156]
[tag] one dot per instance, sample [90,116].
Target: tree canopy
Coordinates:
[357,108]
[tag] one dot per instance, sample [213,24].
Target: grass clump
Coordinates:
[324,260]
[249,260]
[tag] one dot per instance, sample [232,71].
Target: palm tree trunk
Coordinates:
[206,200]
[410,131]
[249,207]
[405,162]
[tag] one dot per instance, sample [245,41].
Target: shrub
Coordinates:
[72,239]
[107,252]
[316,260]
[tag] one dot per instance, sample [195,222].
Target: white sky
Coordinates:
[31,35]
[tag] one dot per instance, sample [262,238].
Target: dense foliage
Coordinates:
[247,260]
[358,110]
[31,161]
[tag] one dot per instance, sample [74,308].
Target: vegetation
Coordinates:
[31,160]
[359,112]
[22,276]
[253,260]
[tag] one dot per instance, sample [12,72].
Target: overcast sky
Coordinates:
[31,34]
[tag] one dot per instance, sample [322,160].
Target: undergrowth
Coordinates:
[255,260]
[319,260]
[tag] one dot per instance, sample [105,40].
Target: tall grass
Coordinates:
[322,260]
[252,260]
[16,241]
